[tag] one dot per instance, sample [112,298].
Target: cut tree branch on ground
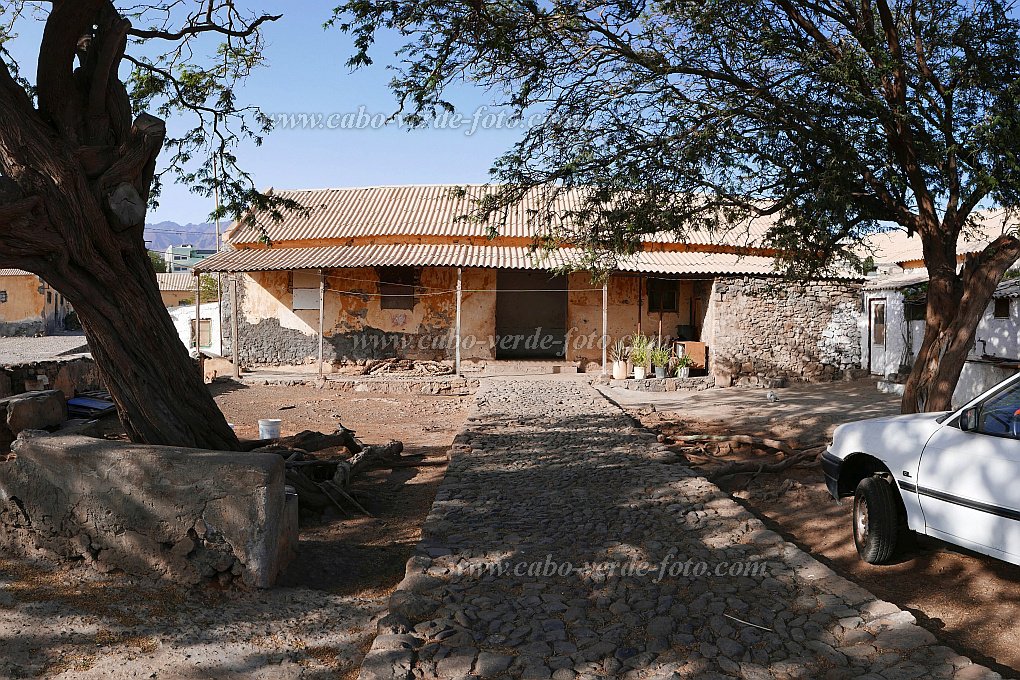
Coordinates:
[806,457]
[324,483]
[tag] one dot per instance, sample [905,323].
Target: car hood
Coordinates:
[903,434]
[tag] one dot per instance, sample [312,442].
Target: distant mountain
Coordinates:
[164,234]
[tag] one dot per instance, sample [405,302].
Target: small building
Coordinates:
[183,258]
[28,306]
[176,289]
[207,330]
[895,305]
[397,272]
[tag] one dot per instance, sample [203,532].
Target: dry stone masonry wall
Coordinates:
[769,328]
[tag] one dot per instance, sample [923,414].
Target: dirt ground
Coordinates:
[66,623]
[968,600]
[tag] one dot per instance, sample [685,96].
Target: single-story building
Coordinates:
[396,271]
[176,289]
[28,306]
[895,303]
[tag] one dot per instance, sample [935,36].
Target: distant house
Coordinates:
[183,258]
[176,289]
[386,269]
[895,303]
[28,306]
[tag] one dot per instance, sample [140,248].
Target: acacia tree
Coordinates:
[838,118]
[78,167]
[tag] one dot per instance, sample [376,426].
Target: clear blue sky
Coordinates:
[307,74]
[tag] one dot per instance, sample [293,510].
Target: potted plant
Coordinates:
[619,354]
[660,356]
[683,365]
[639,349]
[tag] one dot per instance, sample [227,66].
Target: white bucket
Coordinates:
[269,428]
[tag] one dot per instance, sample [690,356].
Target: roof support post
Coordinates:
[234,340]
[322,313]
[197,325]
[456,339]
[605,326]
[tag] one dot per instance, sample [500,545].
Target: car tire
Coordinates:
[876,521]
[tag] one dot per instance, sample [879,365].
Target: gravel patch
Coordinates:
[14,351]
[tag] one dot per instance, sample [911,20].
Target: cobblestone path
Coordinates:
[565,543]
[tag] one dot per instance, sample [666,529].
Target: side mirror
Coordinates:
[969,420]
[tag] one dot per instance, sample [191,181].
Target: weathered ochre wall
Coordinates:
[355,324]
[174,298]
[584,312]
[478,314]
[24,312]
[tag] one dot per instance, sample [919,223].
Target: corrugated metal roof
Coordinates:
[896,247]
[910,277]
[1010,288]
[175,282]
[496,257]
[435,210]
[15,272]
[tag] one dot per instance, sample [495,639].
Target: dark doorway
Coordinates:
[531,315]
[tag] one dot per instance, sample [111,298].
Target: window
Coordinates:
[915,311]
[205,333]
[305,287]
[1001,308]
[3,296]
[1000,414]
[878,323]
[663,295]
[396,287]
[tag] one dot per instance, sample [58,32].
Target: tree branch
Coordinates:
[197,29]
[57,91]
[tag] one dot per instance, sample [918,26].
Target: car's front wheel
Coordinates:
[876,520]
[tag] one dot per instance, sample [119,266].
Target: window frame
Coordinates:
[660,293]
[207,323]
[398,287]
[995,309]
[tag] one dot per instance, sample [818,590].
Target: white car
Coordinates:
[954,476]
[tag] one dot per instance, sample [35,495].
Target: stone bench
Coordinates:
[181,515]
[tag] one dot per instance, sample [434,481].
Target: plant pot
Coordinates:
[685,373]
[639,373]
[660,372]
[619,370]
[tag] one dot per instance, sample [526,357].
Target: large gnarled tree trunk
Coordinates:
[75,176]
[956,303]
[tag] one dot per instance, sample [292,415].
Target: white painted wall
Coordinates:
[183,318]
[886,360]
[976,379]
[999,337]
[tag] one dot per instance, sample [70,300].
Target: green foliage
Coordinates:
[208,291]
[188,61]
[660,355]
[640,346]
[619,351]
[158,261]
[676,116]
[684,361]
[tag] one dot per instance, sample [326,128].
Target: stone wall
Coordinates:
[70,376]
[769,328]
[181,515]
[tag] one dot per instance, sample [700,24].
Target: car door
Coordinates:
[968,482]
